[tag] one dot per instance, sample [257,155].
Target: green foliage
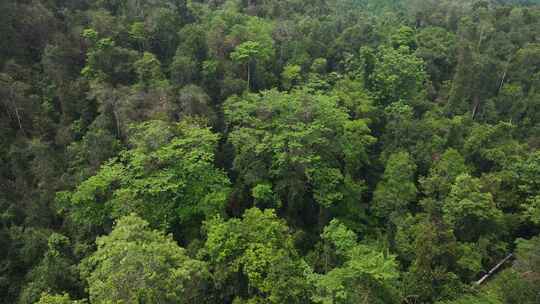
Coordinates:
[183,70]
[354,97]
[532,209]
[57,299]
[249,50]
[276,134]
[291,75]
[139,34]
[193,101]
[364,275]
[90,34]
[527,259]
[520,284]
[56,272]
[401,157]
[404,36]
[397,188]
[437,47]
[443,174]
[469,263]
[168,166]
[340,237]
[87,155]
[319,65]
[398,75]
[148,69]
[249,53]
[514,288]
[493,146]
[105,61]
[471,211]
[526,174]
[264,197]
[151,267]
[430,277]
[482,298]
[260,248]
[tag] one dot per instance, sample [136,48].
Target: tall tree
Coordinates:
[363,275]
[397,189]
[170,166]
[248,53]
[136,264]
[471,211]
[254,259]
[299,142]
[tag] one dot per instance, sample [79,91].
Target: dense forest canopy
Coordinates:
[269,151]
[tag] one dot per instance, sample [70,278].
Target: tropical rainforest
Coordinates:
[269,151]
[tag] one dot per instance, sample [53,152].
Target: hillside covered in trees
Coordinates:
[269,151]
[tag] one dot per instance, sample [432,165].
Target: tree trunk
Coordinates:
[481,38]
[503,79]
[493,270]
[248,75]
[322,218]
[12,98]
[476,106]
[117,120]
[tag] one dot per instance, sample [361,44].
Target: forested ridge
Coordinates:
[269,151]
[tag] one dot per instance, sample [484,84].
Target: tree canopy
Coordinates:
[269,152]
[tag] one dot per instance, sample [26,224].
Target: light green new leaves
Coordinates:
[482,298]
[527,175]
[340,237]
[55,273]
[105,61]
[168,177]
[532,209]
[398,76]
[291,75]
[528,256]
[297,141]
[134,264]
[249,50]
[259,247]
[362,277]
[57,299]
[443,174]
[397,189]
[89,201]
[471,211]
[148,69]
[493,146]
